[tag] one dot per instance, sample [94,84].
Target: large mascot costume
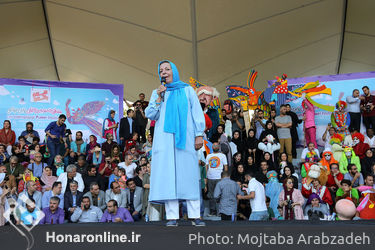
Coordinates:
[340,119]
[208,96]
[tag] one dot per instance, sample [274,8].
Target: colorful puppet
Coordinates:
[320,173]
[281,87]
[264,106]
[340,119]
[238,93]
[81,116]
[311,159]
[209,99]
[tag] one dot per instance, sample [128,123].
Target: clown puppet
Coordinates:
[316,183]
[206,95]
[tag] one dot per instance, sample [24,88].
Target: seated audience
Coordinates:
[114,213]
[86,212]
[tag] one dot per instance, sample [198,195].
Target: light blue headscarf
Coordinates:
[175,120]
[273,190]
[109,118]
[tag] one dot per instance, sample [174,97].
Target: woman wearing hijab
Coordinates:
[110,126]
[283,162]
[291,200]
[250,165]
[179,130]
[273,189]
[268,157]
[288,172]
[237,159]
[272,119]
[238,174]
[219,132]
[268,131]
[47,179]
[264,139]
[252,144]
[236,139]
[90,147]
[367,162]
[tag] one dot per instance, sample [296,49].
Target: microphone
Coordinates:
[163,82]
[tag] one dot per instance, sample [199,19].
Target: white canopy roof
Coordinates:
[216,41]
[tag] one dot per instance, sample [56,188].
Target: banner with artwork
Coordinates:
[341,86]
[85,105]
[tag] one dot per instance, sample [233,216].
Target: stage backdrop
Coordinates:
[341,85]
[85,105]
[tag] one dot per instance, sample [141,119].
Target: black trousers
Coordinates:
[355,121]
[369,121]
[226,217]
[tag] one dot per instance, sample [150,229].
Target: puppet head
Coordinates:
[206,94]
[357,138]
[345,209]
[341,105]
[317,172]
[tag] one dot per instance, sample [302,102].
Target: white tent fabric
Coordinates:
[215,41]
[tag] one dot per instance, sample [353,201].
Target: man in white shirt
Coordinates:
[128,165]
[257,196]
[215,164]
[354,109]
[310,148]
[328,133]
[86,213]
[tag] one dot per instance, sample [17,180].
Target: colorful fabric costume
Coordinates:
[322,191]
[28,177]
[344,162]
[359,146]
[337,149]
[341,120]
[366,207]
[309,124]
[326,163]
[311,159]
